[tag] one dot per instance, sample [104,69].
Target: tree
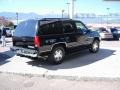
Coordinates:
[5,22]
[10,24]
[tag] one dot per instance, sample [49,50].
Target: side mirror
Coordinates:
[84,31]
[89,30]
[81,31]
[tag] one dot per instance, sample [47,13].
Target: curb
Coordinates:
[71,78]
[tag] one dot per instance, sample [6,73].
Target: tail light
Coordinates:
[37,41]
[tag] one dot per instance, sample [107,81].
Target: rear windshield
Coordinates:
[26,28]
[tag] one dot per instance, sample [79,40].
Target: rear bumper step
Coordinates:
[24,51]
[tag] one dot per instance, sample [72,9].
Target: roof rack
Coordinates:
[55,19]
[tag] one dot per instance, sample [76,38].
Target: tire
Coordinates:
[116,38]
[57,55]
[94,48]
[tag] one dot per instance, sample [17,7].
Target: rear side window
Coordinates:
[51,28]
[26,28]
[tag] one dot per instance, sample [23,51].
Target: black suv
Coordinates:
[53,37]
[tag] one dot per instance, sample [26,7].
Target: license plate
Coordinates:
[24,52]
[19,51]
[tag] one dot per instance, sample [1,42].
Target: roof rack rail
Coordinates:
[55,19]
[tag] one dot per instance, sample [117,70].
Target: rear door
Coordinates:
[24,34]
[51,33]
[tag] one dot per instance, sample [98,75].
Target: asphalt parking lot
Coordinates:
[82,65]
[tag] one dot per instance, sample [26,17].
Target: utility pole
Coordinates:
[63,13]
[72,9]
[17,17]
[108,16]
[68,9]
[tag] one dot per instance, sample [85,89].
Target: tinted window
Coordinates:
[51,28]
[68,27]
[113,30]
[104,30]
[26,28]
[80,27]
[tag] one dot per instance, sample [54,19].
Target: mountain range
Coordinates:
[13,15]
[86,19]
[22,16]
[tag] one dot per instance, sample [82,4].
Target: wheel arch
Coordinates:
[97,38]
[64,45]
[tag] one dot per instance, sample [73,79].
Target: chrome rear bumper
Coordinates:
[25,52]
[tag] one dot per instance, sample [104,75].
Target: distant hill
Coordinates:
[86,18]
[13,16]
[22,16]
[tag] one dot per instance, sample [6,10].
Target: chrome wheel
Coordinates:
[95,46]
[58,55]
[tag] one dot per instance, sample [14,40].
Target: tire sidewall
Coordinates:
[92,46]
[52,59]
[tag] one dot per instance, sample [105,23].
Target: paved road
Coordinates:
[104,64]
[110,43]
[17,82]
[83,71]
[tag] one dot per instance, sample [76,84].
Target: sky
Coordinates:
[56,6]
